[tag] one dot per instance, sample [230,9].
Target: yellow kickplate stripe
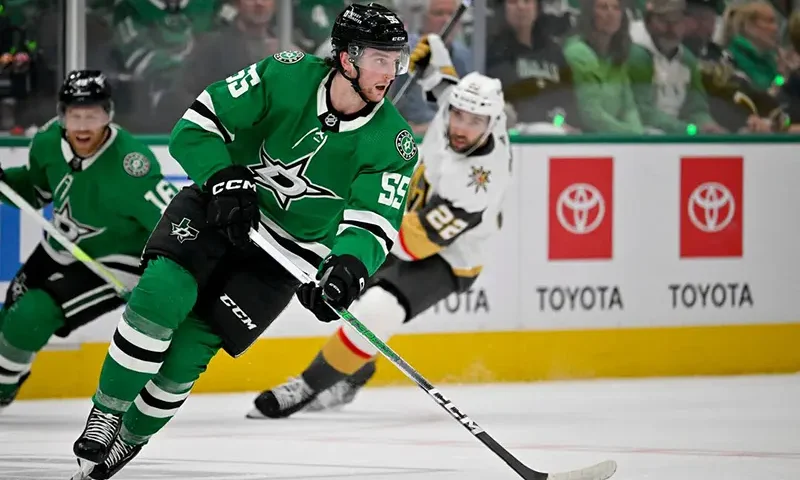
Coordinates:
[476,357]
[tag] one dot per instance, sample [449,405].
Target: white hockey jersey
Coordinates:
[454,201]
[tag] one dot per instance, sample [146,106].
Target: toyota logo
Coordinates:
[711,207]
[580,208]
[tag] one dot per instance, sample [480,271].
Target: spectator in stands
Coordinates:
[667,83]
[249,38]
[155,37]
[752,41]
[791,90]
[532,68]
[415,109]
[597,56]
[733,100]
[313,20]
[557,17]
[21,64]
[151,42]
[700,23]
[633,9]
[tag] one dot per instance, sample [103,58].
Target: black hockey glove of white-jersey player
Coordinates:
[233,207]
[341,280]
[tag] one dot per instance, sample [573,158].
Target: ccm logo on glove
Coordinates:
[233,185]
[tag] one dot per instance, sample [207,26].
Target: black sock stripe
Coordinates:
[9,373]
[204,111]
[137,352]
[374,229]
[91,298]
[158,403]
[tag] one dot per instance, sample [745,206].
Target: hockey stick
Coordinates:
[601,471]
[449,26]
[73,249]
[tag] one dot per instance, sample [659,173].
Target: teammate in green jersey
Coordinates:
[107,194]
[303,149]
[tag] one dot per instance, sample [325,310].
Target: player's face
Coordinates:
[378,69]
[85,126]
[465,129]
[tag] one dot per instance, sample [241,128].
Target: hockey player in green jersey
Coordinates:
[304,150]
[455,199]
[107,194]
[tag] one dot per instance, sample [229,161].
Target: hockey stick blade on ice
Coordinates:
[449,26]
[601,471]
[73,249]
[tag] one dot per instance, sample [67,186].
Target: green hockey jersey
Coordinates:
[108,206]
[328,183]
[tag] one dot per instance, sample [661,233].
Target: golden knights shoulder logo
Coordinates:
[479,178]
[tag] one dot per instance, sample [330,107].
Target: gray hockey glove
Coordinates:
[342,279]
[233,207]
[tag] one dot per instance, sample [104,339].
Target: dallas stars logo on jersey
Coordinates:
[74,230]
[288,181]
[184,230]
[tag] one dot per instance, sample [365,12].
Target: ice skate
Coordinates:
[283,400]
[342,393]
[119,455]
[5,401]
[94,443]
[334,398]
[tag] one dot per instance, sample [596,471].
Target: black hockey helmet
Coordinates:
[360,27]
[370,25]
[85,87]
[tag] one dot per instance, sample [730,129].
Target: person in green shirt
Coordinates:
[107,194]
[597,56]
[754,46]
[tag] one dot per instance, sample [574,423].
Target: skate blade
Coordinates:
[85,468]
[324,408]
[255,414]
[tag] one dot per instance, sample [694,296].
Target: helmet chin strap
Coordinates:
[354,81]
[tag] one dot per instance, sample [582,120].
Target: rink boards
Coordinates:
[613,260]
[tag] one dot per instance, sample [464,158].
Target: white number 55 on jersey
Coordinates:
[240,82]
[394,189]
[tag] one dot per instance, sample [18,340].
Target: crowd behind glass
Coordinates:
[649,67]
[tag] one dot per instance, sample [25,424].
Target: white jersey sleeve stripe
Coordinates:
[365,216]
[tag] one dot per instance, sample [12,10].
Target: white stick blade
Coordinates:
[601,471]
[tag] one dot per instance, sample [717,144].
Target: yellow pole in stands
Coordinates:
[73,249]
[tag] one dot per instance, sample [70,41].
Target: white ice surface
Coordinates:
[675,429]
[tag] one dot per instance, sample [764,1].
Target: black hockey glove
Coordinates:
[341,281]
[233,207]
